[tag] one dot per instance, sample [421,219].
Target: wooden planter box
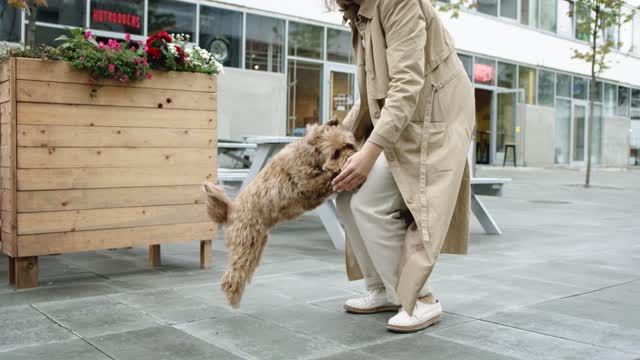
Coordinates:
[86,167]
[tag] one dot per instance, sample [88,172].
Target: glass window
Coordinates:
[506,75]
[529,12]
[610,99]
[221,34]
[546,88]
[63,12]
[565,22]
[484,71]
[563,131]
[635,98]
[623,101]
[596,135]
[265,43]
[563,85]
[489,7]
[636,34]
[527,81]
[599,91]
[118,16]
[174,17]
[305,40]
[467,62]
[582,17]
[9,23]
[580,88]
[304,95]
[509,9]
[549,15]
[48,35]
[339,46]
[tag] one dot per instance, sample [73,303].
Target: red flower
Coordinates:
[154,53]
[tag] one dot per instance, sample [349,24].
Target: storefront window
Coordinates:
[563,131]
[580,88]
[467,63]
[565,22]
[509,9]
[221,34]
[527,81]
[596,135]
[48,35]
[506,75]
[546,88]
[582,16]
[63,12]
[623,101]
[118,16]
[305,40]
[265,43]
[610,99]
[549,15]
[635,104]
[489,7]
[175,17]
[599,91]
[529,12]
[9,23]
[563,85]
[484,71]
[339,47]
[304,95]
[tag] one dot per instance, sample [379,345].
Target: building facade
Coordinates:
[288,63]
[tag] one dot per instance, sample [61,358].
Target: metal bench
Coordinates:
[232,175]
[231,149]
[486,187]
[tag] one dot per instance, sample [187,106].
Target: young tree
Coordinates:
[30,7]
[594,21]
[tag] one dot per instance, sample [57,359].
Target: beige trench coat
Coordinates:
[418,104]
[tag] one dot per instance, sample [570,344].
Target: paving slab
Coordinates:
[68,350]
[23,326]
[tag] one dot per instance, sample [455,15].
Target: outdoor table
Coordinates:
[229,149]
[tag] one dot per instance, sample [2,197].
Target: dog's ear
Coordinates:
[333,122]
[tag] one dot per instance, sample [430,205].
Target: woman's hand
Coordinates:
[357,168]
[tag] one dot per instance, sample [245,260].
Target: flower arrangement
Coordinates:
[126,60]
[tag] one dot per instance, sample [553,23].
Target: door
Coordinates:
[507,119]
[579,120]
[340,91]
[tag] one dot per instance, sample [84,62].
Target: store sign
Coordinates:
[118,16]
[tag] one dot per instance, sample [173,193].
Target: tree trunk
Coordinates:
[592,96]
[31,29]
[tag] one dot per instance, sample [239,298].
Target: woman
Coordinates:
[414,121]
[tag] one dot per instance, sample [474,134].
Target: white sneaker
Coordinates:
[375,302]
[424,315]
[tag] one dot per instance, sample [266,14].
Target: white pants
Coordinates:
[371,217]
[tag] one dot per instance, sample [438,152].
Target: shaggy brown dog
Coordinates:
[296,180]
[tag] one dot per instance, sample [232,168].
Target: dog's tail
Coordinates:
[218,203]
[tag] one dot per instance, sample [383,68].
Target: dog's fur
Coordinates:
[296,180]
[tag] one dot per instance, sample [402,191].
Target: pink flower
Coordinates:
[149,76]
[81,59]
[140,43]
[112,67]
[145,62]
[118,74]
[101,45]
[138,60]
[124,79]
[137,72]
[87,35]
[127,37]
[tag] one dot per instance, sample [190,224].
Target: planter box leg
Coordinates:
[154,255]
[205,254]
[12,271]
[26,272]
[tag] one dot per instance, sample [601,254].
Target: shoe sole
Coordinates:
[411,329]
[380,309]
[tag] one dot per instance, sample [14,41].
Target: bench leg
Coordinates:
[12,271]
[205,254]
[26,272]
[154,255]
[264,152]
[481,213]
[329,217]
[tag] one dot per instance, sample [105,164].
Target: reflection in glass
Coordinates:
[305,40]
[484,71]
[563,131]
[304,95]
[221,34]
[265,43]
[175,17]
[548,15]
[506,75]
[579,131]
[623,101]
[489,7]
[9,23]
[529,12]
[546,87]
[341,94]
[565,22]
[47,35]
[527,81]
[339,47]
[63,12]
[506,117]
[580,88]
[509,9]
[467,63]
[610,99]
[563,85]
[596,135]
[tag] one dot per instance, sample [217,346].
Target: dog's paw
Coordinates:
[233,285]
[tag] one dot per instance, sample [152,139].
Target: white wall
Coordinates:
[540,136]
[304,9]
[615,141]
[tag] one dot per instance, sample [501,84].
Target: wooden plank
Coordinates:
[87,136]
[5,134]
[7,222]
[54,158]
[6,200]
[5,113]
[7,243]
[44,244]
[60,200]
[92,178]
[56,71]
[88,115]
[12,178]
[7,178]
[78,220]
[4,71]
[6,158]
[26,272]
[61,93]
[5,91]
[205,254]
[154,255]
